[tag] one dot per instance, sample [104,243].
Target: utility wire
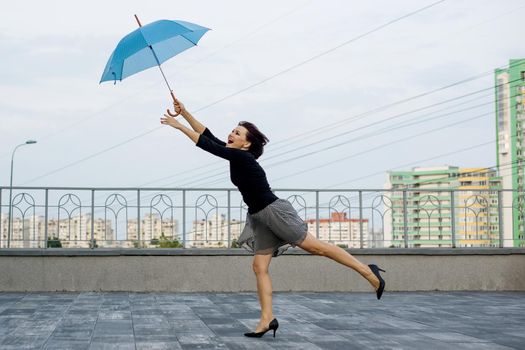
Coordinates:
[389,128]
[293,67]
[331,137]
[230,44]
[376,147]
[347,120]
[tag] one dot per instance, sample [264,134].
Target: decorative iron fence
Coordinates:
[53,217]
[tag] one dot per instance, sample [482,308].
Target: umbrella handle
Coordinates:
[174,100]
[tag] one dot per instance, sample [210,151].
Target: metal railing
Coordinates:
[77,217]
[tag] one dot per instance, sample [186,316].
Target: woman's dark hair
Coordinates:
[257,139]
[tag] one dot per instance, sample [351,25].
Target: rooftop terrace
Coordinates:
[404,320]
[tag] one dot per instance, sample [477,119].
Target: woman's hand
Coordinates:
[178,106]
[171,121]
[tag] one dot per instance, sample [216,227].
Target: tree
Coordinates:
[164,242]
[93,244]
[234,244]
[54,242]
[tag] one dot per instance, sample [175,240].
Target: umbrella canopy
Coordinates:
[149,46]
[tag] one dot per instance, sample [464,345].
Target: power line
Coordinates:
[413,163]
[91,156]
[389,128]
[346,120]
[400,115]
[332,137]
[322,140]
[360,153]
[249,34]
[230,44]
[509,165]
[295,66]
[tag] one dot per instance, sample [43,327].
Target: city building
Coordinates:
[213,233]
[340,230]
[74,232]
[510,122]
[152,228]
[441,200]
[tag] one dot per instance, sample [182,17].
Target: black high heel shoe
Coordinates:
[273,325]
[375,269]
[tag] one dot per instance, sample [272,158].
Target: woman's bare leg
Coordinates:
[317,247]
[261,264]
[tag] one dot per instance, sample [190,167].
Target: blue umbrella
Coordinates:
[149,46]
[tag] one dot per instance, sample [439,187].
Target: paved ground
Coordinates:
[466,320]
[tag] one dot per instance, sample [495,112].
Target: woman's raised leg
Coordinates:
[317,247]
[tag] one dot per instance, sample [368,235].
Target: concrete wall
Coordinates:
[178,270]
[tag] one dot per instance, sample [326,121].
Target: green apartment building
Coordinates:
[510,116]
[440,202]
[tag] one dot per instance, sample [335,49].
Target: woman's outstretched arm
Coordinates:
[204,142]
[171,121]
[179,109]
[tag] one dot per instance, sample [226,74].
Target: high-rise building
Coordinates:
[510,122]
[441,200]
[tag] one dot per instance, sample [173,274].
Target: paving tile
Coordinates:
[484,346]
[17,342]
[113,339]
[429,320]
[60,344]
[100,345]
[452,337]
[157,345]
[163,338]
[114,315]
[73,333]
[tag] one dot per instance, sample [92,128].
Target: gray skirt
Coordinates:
[273,229]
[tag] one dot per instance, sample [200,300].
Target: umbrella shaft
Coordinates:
[166,80]
[158,63]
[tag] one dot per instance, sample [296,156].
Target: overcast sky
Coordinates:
[53,54]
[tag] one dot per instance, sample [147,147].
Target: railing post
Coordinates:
[46,217]
[229,220]
[139,236]
[92,229]
[0,218]
[405,218]
[500,219]
[10,218]
[184,218]
[453,218]
[361,219]
[317,214]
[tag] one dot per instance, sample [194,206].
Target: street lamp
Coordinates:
[28,142]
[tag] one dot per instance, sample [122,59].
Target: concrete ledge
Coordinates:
[243,252]
[188,270]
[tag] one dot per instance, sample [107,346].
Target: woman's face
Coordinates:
[237,138]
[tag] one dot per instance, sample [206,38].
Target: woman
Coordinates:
[272,223]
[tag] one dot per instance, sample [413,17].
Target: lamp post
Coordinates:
[10,225]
